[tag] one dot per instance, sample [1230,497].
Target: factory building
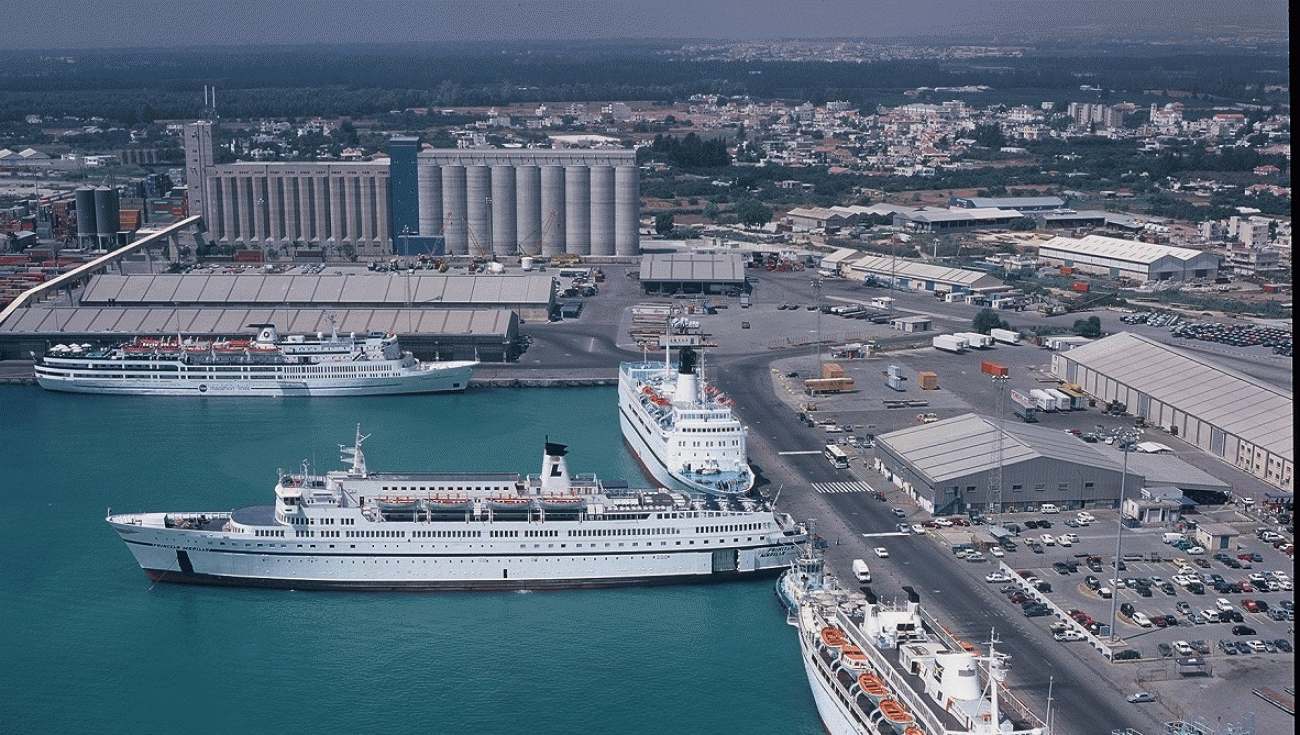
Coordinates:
[908,275]
[952,466]
[1230,415]
[488,202]
[693,273]
[1116,258]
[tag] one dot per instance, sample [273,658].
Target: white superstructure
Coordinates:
[875,667]
[356,529]
[267,365]
[681,429]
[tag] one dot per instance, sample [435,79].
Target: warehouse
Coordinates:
[952,220]
[907,275]
[689,273]
[1230,415]
[1116,258]
[951,467]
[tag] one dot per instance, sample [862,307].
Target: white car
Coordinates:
[918,528]
[1142,619]
[1064,539]
[942,522]
[997,577]
[1223,604]
[1183,648]
[1069,634]
[1047,539]
[1084,517]
[997,552]
[881,552]
[1196,551]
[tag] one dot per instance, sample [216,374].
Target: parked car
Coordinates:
[1243,630]
[1128,654]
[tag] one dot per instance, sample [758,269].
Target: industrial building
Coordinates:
[1230,415]
[488,202]
[689,273]
[952,220]
[907,274]
[952,466]
[1116,258]
[1023,205]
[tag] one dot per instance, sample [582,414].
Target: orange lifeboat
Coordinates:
[895,713]
[913,730]
[833,637]
[873,687]
[853,657]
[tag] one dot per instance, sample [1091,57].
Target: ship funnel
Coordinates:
[266,333]
[688,383]
[555,469]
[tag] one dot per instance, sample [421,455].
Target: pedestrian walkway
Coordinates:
[841,487]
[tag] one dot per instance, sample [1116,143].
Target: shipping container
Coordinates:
[992,368]
[1080,286]
[927,380]
[832,370]
[1043,400]
[827,385]
[1063,401]
[975,340]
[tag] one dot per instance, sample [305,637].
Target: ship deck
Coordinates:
[255,515]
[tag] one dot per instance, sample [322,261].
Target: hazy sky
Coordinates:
[29,24]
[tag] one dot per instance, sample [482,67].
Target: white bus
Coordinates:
[836,456]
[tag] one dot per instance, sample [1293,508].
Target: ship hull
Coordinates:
[430,378]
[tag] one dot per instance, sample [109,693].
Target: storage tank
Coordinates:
[85,199]
[478,208]
[577,210]
[528,208]
[107,213]
[455,210]
[553,212]
[602,210]
[627,210]
[504,239]
[526,263]
[429,194]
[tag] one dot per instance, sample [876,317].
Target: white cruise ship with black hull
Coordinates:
[881,669]
[681,429]
[359,530]
[267,365]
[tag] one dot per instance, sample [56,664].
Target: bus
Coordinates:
[836,456]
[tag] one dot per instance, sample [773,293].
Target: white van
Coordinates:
[861,570]
[1049,508]
[1171,538]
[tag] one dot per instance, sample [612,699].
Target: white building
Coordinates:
[1116,258]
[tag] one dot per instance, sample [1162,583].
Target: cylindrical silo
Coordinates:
[553,219]
[528,208]
[428,182]
[107,216]
[478,205]
[455,210]
[577,210]
[85,199]
[504,240]
[602,210]
[627,210]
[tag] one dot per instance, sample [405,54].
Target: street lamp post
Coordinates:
[1125,442]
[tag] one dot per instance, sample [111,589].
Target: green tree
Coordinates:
[711,212]
[663,223]
[1090,327]
[987,320]
[753,213]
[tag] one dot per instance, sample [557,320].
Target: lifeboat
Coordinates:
[562,502]
[833,637]
[913,730]
[448,503]
[853,657]
[509,503]
[397,504]
[873,687]
[897,716]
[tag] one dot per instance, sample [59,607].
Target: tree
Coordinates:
[987,320]
[1090,327]
[753,213]
[711,212]
[663,223]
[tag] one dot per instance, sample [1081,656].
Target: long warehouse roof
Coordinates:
[1238,404]
[1119,249]
[170,320]
[344,290]
[728,267]
[912,269]
[967,444]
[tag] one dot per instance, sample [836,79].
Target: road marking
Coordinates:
[841,487]
[884,533]
[809,451]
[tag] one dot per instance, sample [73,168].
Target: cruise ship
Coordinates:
[682,430]
[265,365]
[353,529]
[881,669]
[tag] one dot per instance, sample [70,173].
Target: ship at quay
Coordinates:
[682,430]
[267,364]
[361,530]
[880,669]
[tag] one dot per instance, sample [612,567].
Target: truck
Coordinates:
[950,343]
[975,340]
[1006,336]
[1043,400]
[744,301]
[1024,406]
[1063,402]
[861,571]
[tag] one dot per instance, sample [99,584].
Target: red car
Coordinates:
[1201,562]
[1244,586]
[1250,605]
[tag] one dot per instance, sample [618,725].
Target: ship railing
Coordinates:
[899,687]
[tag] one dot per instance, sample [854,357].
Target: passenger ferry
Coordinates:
[361,530]
[266,365]
[877,668]
[681,429]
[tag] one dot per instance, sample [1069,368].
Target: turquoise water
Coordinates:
[88,646]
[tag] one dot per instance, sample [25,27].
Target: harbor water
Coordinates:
[88,645]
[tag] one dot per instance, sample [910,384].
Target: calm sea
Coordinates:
[88,646]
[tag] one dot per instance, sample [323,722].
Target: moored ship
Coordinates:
[681,429]
[265,365]
[879,669]
[362,530]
